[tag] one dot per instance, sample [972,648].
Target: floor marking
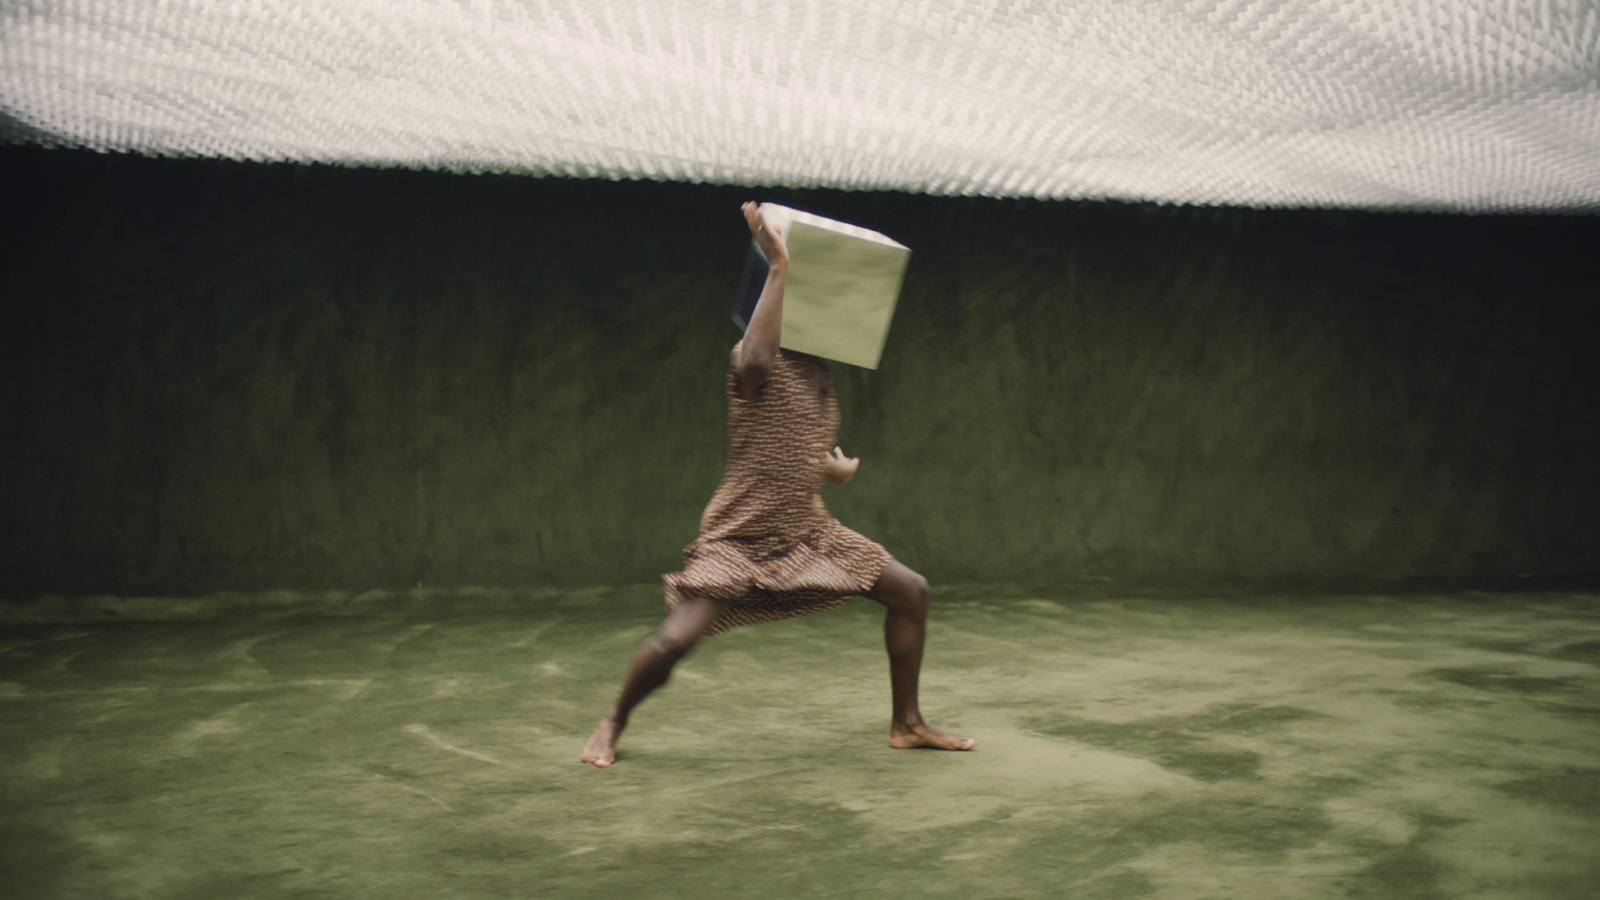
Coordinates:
[413,790]
[427,734]
[412,634]
[245,646]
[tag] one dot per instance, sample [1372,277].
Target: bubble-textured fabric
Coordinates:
[767,544]
[1436,105]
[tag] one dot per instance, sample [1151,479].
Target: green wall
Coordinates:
[221,375]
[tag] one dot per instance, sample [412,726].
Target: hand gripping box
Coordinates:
[842,286]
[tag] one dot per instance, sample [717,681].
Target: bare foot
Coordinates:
[905,737]
[601,751]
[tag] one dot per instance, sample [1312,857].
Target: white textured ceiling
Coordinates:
[1463,105]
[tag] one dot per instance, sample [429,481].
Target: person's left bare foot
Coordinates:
[601,751]
[905,737]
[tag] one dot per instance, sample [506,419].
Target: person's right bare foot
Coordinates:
[921,734]
[601,751]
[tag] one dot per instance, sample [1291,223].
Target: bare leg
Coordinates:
[905,628]
[651,668]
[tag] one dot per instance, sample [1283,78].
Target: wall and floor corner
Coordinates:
[220,375]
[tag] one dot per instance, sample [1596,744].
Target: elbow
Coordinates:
[753,374]
[757,363]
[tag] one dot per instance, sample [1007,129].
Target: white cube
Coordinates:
[842,287]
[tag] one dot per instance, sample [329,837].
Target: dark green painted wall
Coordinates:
[230,376]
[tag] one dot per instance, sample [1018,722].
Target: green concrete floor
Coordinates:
[426,745]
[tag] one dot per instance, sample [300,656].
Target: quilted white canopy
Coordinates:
[1458,105]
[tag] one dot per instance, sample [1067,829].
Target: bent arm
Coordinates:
[759,352]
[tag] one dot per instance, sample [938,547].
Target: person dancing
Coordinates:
[767,548]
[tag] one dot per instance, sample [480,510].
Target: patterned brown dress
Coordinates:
[767,545]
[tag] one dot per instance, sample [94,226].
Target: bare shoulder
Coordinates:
[734,356]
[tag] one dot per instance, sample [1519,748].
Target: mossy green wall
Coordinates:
[222,375]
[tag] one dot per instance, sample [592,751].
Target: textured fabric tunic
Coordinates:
[767,545]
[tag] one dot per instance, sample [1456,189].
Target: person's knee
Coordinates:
[669,646]
[915,597]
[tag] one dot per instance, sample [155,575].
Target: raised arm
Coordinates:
[759,351]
